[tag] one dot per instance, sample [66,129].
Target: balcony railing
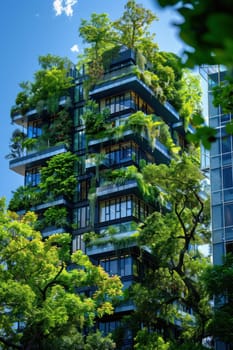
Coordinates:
[104,245]
[19,164]
[112,188]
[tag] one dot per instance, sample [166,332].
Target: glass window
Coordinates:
[32,177]
[121,266]
[215,148]
[228,195]
[83,217]
[79,141]
[216,197]
[78,94]
[122,207]
[217,217]
[82,190]
[218,253]
[226,159]
[214,122]
[34,129]
[78,112]
[229,247]
[77,243]
[227,177]
[228,214]
[225,118]
[215,180]
[226,144]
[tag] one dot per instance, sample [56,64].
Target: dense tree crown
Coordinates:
[207,32]
[172,283]
[38,295]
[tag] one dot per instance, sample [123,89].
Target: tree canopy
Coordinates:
[171,289]
[207,32]
[218,281]
[206,29]
[50,83]
[44,288]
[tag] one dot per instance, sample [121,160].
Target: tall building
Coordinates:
[221,177]
[107,202]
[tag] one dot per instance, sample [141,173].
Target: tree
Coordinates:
[43,289]
[133,27]
[207,32]
[50,83]
[172,289]
[200,30]
[218,282]
[98,33]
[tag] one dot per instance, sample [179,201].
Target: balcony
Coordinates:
[18,118]
[105,245]
[161,153]
[52,230]
[179,126]
[109,190]
[59,201]
[19,164]
[132,82]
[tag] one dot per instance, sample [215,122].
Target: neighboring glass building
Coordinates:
[221,178]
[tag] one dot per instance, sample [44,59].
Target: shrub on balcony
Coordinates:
[53,216]
[94,119]
[57,178]
[50,84]
[24,198]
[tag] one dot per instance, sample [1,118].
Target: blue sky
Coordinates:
[31,28]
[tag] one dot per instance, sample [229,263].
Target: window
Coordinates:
[229,247]
[107,327]
[82,217]
[227,177]
[80,166]
[115,208]
[226,144]
[78,112]
[79,140]
[115,103]
[217,216]
[123,153]
[225,118]
[78,94]
[228,214]
[32,177]
[122,207]
[121,266]
[78,244]
[82,190]
[34,129]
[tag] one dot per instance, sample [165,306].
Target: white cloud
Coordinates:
[65,6]
[74,48]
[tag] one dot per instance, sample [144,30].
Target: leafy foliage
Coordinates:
[218,282]
[200,30]
[57,178]
[133,27]
[94,119]
[50,83]
[42,295]
[207,45]
[172,287]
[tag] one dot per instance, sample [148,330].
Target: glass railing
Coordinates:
[117,73]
